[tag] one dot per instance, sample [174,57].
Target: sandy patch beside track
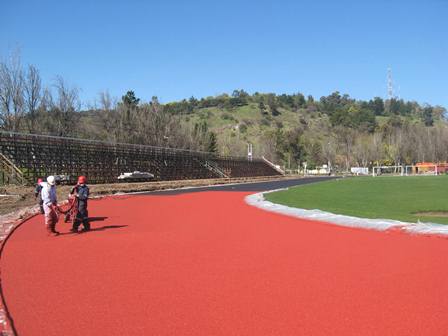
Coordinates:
[18,197]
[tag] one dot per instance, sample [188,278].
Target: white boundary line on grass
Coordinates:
[259,201]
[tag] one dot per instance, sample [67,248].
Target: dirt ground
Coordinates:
[14,198]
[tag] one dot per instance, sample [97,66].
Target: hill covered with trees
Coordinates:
[288,129]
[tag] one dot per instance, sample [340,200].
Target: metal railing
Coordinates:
[9,172]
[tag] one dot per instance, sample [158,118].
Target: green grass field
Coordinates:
[380,197]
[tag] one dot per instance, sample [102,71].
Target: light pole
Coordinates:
[249,151]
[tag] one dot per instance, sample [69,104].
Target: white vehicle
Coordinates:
[359,170]
[136,176]
[61,179]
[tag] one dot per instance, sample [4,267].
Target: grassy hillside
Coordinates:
[287,129]
[237,126]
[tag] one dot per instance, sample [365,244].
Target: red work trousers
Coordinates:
[51,218]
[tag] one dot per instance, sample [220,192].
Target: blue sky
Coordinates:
[177,49]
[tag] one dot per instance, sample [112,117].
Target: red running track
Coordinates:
[208,264]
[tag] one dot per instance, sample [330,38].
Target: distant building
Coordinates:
[430,167]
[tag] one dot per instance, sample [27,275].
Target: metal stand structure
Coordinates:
[38,156]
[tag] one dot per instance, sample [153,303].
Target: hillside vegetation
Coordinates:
[289,129]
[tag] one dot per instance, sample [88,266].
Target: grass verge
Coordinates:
[409,199]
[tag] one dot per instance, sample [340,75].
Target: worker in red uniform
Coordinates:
[81,192]
[38,195]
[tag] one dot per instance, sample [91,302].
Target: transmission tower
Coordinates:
[390,87]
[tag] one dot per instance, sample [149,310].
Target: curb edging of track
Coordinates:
[420,228]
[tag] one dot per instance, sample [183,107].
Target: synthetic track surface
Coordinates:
[206,263]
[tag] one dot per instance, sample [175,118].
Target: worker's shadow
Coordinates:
[106,227]
[97,219]
[100,228]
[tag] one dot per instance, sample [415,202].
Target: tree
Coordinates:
[376,148]
[393,106]
[329,150]
[428,116]
[346,140]
[286,101]
[311,105]
[393,147]
[439,113]
[313,152]
[377,106]
[33,93]
[108,116]
[193,101]
[130,100]
[272,103]
[212,143]
[239,98]
[300,100]
[11,94]
[262,108]
[290,146]
[365,120]
[44,124]
[341,117]
[204,139]
[274,111]
[361,150]
[335,102]
[65,107]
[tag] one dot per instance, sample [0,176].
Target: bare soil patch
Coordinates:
[14,198]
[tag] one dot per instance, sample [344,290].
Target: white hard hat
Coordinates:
[51,180]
